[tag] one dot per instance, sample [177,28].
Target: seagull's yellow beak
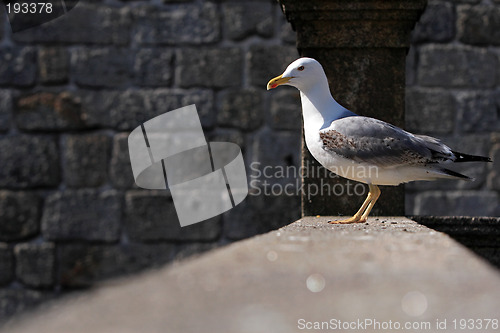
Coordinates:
[278,80]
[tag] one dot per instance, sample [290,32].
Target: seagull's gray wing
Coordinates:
[372,141]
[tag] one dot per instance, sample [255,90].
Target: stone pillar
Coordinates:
[362,44]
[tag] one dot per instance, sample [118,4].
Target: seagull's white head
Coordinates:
[303,74]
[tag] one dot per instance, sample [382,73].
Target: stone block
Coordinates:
[153,67]
[5,110]
[120,173]
[456,66]
[176,25]
[411,67]
[494,168]
[248,18]
[266,62]
[241,109]
[286,112]
[6,264]
[228,135]
[286,33]
[83,265]
[477,112]
[86,160]
[204,101]
[260,213]
[19,215]
[151,216]
[128,109]
[90,215]
[275,158]
[87,23]
[29,161]
[35,264]
[16,301]
[430,111]
[96,105]
[17,66]
[479,25]
[53,65]
[102,67]
[47,111]
[209,67]
[437,24]
[460,203]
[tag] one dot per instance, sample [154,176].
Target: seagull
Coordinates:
[360,148]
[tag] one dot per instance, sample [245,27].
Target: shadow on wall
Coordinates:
[479,234]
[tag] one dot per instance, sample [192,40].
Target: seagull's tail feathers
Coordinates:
[460,157]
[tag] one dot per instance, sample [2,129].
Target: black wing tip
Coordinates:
[461,157]
[456,175]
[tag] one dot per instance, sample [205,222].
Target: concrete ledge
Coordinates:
[391,269]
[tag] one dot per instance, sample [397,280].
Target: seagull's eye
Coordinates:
[300,68]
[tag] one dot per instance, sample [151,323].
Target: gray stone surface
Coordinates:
[35,264]
[19,215]
[15,301]
[29,161]
[85,159]
[392,270]
[185,24]
[437,24]
[120,169]
[5,110]
[209,67]
[264,63]
[285,110]
[6,264]
[153,67]
[53,65]
[17,66]
[102,67]
[477,112]
[430,111]
[262,212]
[90,215]
[242,109]
[494,175]
[248,18]
[456,66]
[276,157]
[103,25]
[478,25]
[151,216]
[42,111]
[473,203]
[83,265]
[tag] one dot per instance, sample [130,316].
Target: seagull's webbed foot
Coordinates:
[354,219]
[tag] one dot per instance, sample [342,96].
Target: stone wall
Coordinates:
[453,93]
[71,91]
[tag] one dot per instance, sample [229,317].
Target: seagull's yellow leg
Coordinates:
[362,214]
[376,194]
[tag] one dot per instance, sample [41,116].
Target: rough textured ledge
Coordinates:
[390,269]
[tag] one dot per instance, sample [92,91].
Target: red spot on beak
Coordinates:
[274,86]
